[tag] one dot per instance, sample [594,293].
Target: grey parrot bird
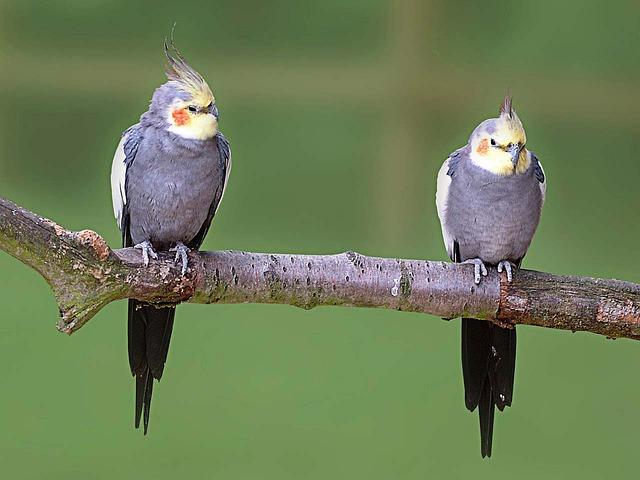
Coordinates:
[168,177]
[489,198]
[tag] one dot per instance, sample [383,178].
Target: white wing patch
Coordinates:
[543,185]
[118,177]
[442,195]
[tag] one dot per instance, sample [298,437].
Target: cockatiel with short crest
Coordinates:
[168,177]
[489,198]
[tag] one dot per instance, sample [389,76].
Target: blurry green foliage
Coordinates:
[339,114]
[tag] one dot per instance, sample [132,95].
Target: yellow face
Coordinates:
[196,118]
[193,119]
[503,151]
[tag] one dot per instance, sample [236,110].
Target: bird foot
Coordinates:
[506,265]
[478,268]
[147,251]
[181,254]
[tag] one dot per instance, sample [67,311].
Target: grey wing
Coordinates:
[540,176]
[123,158]
[224,151]
[445,177]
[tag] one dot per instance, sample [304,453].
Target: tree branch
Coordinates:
[85,275]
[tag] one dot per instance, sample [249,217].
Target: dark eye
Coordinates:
[493,142]
[192,108]
[510,145]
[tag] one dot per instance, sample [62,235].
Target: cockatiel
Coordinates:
[489,198]
[168,177]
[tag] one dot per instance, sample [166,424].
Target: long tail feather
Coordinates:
[486,410]
[149,337]
[488,367]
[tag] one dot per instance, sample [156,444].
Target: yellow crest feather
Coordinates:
[509,122]
[188,80]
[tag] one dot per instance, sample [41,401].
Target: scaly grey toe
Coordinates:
[147,251]
[506,265]
[181,254]
[478,268]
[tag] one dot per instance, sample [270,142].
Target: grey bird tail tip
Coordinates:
[486,411]
[144,391]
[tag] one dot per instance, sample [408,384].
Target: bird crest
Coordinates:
[185,77]
[507,105]
[509,120]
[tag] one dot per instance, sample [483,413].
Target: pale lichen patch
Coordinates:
[97,273]
[56,228]
[95,241]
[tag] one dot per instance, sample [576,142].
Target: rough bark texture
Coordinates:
[85,275]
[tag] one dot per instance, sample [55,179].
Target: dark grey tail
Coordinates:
[488,368]
[149,335]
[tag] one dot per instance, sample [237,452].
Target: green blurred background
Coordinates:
[339,114]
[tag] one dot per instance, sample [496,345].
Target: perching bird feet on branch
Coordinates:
[181,255]
[478,268]
[147,251]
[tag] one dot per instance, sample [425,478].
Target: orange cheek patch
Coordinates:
[180,116]
[483,147]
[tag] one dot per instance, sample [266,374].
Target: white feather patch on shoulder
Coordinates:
[118,177]
[442,196]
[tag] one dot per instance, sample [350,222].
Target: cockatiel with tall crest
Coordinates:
[168,177]
[489,198]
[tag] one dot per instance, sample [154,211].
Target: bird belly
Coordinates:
[503,241]
[493,227]
[170,201]
[176,216]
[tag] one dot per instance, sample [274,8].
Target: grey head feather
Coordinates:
[156,118]
[491,125]
[488,127]
[183,83]
[162,98]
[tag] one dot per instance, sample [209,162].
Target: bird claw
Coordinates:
[507,266]
[147,251]
[478,268]
[181,254]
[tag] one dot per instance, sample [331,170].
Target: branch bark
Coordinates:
[85,275]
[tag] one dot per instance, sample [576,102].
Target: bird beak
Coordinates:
[515,150]
[214,111]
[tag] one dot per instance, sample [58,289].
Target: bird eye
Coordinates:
[510,145]
[192,108]
[493,142]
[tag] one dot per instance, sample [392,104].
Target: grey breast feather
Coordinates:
[491,217]
[170,188]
